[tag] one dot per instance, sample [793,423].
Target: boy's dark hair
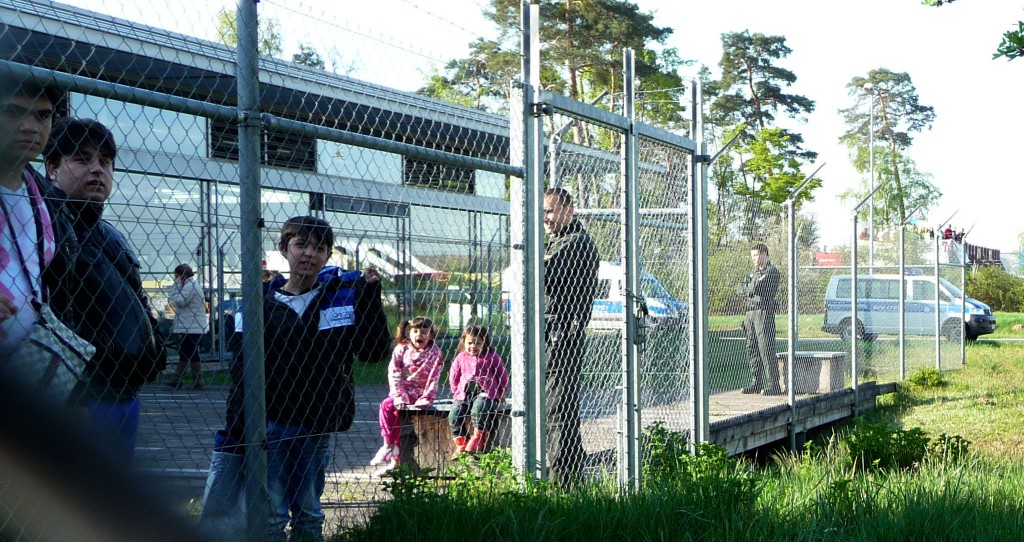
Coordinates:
[184,270]
[310,228]
[12,84]
[561,195]
[481,333]
[70,135]
[419,322]
[760,247]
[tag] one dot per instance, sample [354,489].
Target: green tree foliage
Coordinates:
[270,38]
[582,57]
[307,56]
[751,90]
[1012,45]
[481,79]
[997,289]
[440,87]
[890,100]
[748,100]
[768,160]
[918,190]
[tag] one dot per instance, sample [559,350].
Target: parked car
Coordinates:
[878,308]
[609,312]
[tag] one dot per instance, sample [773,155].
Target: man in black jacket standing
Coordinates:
[759,291]
[99,292]
[570,284]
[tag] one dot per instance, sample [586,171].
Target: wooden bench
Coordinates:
[426,439]
[814,372]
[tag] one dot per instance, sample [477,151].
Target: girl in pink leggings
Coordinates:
[412,377]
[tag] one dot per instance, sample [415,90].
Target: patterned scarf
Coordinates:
[40,212]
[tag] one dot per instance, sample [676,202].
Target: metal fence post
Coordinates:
[698,310]
[252,283]
[533,246]
[794,335]
[903,303]
[629,469]
[853,310]
[963,300]
[938,318]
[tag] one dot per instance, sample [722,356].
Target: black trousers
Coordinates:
[565,352]
[759,328]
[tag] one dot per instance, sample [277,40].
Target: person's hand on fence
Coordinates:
[372,275]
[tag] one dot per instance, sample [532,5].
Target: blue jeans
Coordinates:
[296,468]
[116,423]
[223,513]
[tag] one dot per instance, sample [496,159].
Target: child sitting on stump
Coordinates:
[479,382]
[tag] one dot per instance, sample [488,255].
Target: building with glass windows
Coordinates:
[176,194]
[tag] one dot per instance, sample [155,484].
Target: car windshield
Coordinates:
[953,290]
[652,288]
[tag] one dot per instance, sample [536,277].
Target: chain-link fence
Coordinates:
[200,201]
[664,226]
[734,360]
[434,227]
[892,333]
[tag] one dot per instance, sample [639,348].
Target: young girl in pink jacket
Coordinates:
[479,382]
[412,377]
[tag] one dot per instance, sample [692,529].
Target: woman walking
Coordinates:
[190,325]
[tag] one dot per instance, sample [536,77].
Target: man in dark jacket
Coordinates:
[759,291]
[570,284]
[99,292]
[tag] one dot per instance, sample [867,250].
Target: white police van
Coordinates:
[609,314]
[878,298]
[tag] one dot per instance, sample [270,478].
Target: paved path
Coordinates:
[176,442]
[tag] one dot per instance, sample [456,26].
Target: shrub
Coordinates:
[997,289]
[950,447]
[928,378]
[875,446]
[662,450]
[710,476]
[490,475]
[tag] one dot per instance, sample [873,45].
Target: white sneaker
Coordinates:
[383,455]
[391,465]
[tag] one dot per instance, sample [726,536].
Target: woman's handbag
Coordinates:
[52,358]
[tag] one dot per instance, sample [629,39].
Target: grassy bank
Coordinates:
[941,460]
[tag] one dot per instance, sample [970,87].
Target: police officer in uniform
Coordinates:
[759,291]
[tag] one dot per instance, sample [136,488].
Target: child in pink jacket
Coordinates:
[479,382]
[412,377]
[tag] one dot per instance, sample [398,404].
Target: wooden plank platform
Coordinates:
[740,423]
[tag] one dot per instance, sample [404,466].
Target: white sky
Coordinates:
[946,51]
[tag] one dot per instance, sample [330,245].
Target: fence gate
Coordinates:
[631,190]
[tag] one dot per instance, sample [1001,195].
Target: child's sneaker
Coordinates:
[389,466]
[384,455]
